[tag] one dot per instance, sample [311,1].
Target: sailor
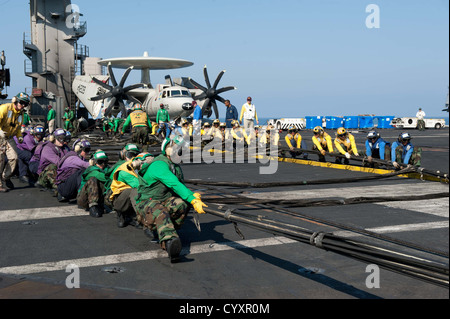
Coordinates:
[294,136]
[11,118]
[140,124]
[163,120]
[50,154]
[239,134]
[31,138]
[92,188]
[197,117]
[129,151]
[248,112]
[207,133]
[108,126]
[125,179]
[376,147]
[403,152]
[270,138]
[69,170]
[51,117]
[345,144]
[163,200]
[322,142]
[420,120]
[117,125]
[68,118]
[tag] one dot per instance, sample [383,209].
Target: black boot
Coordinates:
[173,248]
[120,220]
[95,211]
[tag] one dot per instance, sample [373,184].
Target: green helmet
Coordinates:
[100,156]
[23,97]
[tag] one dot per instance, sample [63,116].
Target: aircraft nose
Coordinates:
[187,106]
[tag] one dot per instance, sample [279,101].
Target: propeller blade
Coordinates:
[132,87]
[225,89]
[132,98]
[218,79]
[221,99]
[103,85]
[125,76]
[200,97]
[110,106]
[123,109]
[201,87]
[206,108]
[216,110]
[101,96]
[111,75]
[205,73]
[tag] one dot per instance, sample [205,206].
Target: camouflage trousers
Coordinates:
[166,217]
[91,194]
[47,177]
[415,158]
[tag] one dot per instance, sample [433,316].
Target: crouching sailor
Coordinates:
[70,168]
[92,188]
[163,200]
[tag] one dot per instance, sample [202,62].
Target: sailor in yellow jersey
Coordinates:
[239,134]
[345,144]
[140,124]
[322,142]
[294,136]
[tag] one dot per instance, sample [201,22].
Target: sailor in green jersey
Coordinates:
[163,200]
[92,188]
[124,185]
[51,116]
[127,153]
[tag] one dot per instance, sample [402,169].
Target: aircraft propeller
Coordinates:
[211,93]
[117,92]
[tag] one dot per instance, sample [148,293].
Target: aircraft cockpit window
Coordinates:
[176,93]
[185,93]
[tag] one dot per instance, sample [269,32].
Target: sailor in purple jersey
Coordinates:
[52,152]
[69,170]
[31,138]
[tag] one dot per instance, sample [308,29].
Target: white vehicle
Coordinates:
[411,122]
[284,124]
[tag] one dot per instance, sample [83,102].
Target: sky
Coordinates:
[294,58]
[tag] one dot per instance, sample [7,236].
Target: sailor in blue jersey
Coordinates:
[376,147]
[231,114]
[403,152]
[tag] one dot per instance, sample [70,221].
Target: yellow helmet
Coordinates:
[341,131]
[318,130]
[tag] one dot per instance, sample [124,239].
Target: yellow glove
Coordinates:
[198,196]
[323,152]
[198,206]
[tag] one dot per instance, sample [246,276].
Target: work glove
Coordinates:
[370,159]
[396,165]
[20,139]
[198,196]
[347,155]
[356,154]
[198,206]
[323,152]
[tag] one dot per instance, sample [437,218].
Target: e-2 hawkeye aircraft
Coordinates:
[101,98]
